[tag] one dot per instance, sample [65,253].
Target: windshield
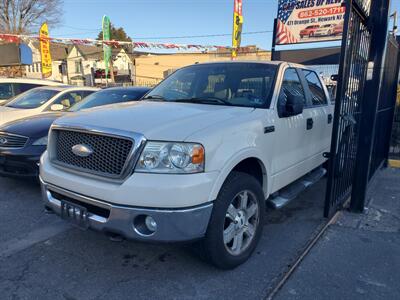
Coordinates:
[32,98]
[106,97]
[238,84]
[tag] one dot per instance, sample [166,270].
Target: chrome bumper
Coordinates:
[173,225]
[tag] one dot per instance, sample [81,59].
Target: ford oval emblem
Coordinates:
[3,141]
[82,150]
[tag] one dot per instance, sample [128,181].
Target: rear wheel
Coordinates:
[236,222]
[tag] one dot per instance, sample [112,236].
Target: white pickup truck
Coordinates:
[198,159]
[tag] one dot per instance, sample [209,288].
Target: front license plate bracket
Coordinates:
[75,214]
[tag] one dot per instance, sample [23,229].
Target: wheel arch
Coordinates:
[244,162]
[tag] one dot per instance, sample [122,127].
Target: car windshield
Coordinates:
[106,97]
[32,98]
[237,84]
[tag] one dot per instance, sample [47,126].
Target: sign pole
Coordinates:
[274,40]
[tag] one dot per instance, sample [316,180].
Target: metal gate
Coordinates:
[386,108]
[349,102]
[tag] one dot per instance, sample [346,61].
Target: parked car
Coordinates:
[338,29]
[23,141]
[308,31]
[325,30]
[42,99]
[197,159]
[11,87]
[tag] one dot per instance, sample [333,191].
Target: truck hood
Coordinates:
[155,120]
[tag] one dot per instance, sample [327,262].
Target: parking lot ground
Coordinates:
[43,258]
[358,257]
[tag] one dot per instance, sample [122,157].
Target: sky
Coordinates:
[166,20]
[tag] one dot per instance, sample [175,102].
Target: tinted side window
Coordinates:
[6,91]
[84,94]
[23,87]
[316,89]
[291,84]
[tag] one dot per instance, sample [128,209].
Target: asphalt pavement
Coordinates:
[41,257]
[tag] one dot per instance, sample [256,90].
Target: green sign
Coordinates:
[106,37]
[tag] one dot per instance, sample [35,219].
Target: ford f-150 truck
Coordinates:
[197,160]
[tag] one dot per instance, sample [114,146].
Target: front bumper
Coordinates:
[21,162]
[173,225]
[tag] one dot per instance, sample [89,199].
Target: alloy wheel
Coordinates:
[241,222]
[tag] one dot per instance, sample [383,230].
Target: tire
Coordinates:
[231,253]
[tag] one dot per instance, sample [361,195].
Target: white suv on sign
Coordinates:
[197,159]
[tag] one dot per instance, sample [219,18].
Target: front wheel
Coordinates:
[236,222]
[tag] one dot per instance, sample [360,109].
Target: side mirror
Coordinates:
[57,107]
[335,77]
[294,105]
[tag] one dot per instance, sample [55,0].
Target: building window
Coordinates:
[78,68]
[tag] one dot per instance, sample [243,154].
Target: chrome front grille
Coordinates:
[9,141]
[111,154]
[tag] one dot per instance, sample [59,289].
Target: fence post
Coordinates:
[379,18]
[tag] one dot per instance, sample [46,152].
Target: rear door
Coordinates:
[321,113]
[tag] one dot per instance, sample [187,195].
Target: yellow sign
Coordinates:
[237,27]
[45,51]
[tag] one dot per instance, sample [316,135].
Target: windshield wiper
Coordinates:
[155,98]
[205,100]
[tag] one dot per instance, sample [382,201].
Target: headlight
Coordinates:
[41,142]
[170,157]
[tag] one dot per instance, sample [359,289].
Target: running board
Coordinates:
[290,192]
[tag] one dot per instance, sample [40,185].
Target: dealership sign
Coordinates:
[306,21]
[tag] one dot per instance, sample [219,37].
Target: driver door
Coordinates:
[292,136]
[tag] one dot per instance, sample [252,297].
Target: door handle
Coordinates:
[330,118]
[310,123]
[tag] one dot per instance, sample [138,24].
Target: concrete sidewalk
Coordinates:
[359,256]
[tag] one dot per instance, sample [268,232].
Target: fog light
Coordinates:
[151,224]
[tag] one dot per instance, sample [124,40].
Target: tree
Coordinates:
[26,16]
[117,34]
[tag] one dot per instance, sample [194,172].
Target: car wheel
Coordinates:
[301,36]
[236,222]
[311,35]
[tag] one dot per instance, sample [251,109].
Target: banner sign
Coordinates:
[17,38]
[45,51]
[309,21]
[237,26]
[106,37]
